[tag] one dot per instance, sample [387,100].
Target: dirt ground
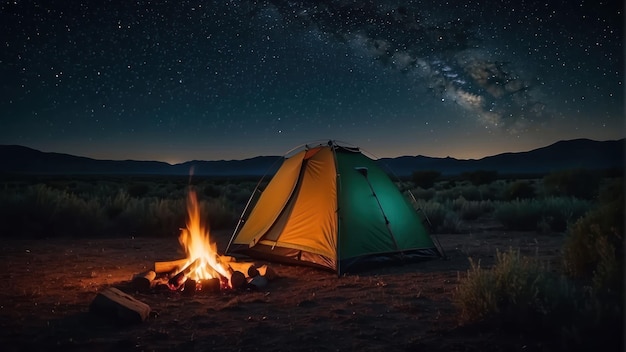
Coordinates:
[49,285]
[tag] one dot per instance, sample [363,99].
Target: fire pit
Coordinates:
[182,276]
[203,271]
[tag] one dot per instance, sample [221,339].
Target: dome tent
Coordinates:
[332,207]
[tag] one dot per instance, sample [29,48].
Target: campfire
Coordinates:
[203,270]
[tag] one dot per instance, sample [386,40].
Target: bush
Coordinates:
[43,211]
[439,217]
[434,212]
[467,191]
[212,191]
[523,215]
[546,215]
[517,290]
[594,249]
[423,194]
[138,190]
[425,179]
[219,213]
[519,190]
[471,193]
[518,294]
[579,183]
[471,210]
[480,177]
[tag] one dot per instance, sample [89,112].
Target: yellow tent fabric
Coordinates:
[332,207]
[272,203]
[312,224]
[311,221]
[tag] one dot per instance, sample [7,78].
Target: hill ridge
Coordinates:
[564,154]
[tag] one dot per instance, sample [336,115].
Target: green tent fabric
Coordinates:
[332,207]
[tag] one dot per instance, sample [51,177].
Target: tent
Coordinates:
[331,207]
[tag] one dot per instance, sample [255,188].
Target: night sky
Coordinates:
[183,80]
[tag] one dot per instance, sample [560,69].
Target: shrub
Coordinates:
[521,295]
[219,213]
[471,210]
[425,179]
[519,190]
[480,177]
[212,191]
[471,193]
[550,214]
[423,194]
[440,217]
[579,183]
[467,191]
[163,217]
[492,191]
[561,212]
[449,184]
[521,215]
[516,290]
[138,190]
[434,212]
[594,249]
[42,211]
[443,195]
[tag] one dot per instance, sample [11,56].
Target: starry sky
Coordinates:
[209,80]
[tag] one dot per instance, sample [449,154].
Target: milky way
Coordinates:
[185,80]
[444,53]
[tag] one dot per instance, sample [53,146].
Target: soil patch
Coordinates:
[49,285]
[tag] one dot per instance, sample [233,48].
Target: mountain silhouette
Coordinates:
[577,153]
[562,155]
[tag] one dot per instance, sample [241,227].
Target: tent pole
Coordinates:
[382,211]
[430,225]
[245,209]
[337,193]
[243,213]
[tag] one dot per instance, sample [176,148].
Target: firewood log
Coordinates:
[118,305]
[237,280]
[209,285]
[143,282]
[267,272]
[179,279]
[246,268]
[166,267]
[190,287]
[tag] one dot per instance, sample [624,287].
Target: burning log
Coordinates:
[189,289]
[143,282]
[116,304]
[209,285]
[246,268]
[237,279]
[170,266]
[179,279]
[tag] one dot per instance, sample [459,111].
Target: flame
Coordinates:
[196,242]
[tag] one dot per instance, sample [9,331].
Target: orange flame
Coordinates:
[195,241]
